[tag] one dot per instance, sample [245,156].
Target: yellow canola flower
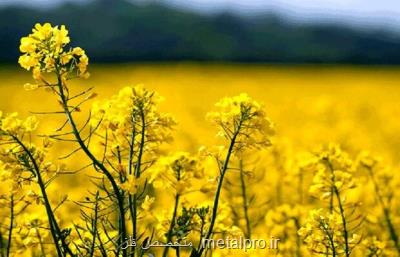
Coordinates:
[176,171]
[28,45]
[323,233]
[132,114]
[45,51]
[28,61]
[11,124]
[334,171]
[244,119]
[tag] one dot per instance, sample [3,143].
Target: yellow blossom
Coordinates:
[243,119]
[45,51]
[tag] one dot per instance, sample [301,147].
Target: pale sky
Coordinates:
[357,12]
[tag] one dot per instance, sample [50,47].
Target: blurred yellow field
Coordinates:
[351,113]
[356,106]
[325,103]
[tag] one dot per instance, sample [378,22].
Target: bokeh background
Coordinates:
[276,31]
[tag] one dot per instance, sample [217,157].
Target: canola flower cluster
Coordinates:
[143,191]
[44,51]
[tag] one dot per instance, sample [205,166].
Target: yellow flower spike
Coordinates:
[45,51]
[176,171]
[245,118]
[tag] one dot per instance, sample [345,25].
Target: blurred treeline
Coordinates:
[118,31]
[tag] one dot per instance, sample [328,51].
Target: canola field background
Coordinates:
[311,106]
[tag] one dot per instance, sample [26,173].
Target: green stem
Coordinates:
[10,230]
[96,162]
[94,224]
[137,175]
[344,222]
[218,191]
[203,222]
[330,238]
[334,190]
[332,187]
[298,239]
[332,246]
[134,221]
[245,201]
[40,243]
[1,244]
[141,147]
[172,224]
[132,199]
[54,228]
[386,212]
